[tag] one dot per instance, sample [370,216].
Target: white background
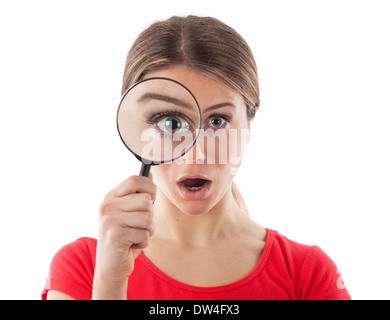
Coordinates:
[317,169]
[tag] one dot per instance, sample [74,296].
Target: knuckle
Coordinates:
[152,228]
[146,200]
[144,236]
[148,221]
[143,244]
[108,214]
[107,206]
[132,182]
[139,236]
[153,190]
[114,235]
[106,222]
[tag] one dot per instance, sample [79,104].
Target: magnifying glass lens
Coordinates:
[158,120]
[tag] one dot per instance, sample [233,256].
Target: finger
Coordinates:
[138,220]
[134,202]
[137,236]
[141,245]
[132,185]
[151,178]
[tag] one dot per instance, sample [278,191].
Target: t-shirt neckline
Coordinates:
[263,259]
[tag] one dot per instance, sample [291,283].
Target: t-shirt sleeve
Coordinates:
[320,278]
[71,271]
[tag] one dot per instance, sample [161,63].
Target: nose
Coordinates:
[196,154]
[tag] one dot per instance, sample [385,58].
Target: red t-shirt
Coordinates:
[286,270]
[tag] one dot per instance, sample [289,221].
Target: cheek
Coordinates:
[238,140]
[226,147]
[161,174]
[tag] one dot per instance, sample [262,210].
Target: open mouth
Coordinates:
[194,184]
[194,188]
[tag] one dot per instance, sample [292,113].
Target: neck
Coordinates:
[223,220]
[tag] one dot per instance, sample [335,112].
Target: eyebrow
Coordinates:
[220,105]
[160,97]
[178,102]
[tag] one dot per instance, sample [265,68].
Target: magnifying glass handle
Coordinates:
[145,169]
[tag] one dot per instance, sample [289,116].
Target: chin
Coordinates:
[193,208]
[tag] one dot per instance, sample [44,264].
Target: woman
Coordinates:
[186,232]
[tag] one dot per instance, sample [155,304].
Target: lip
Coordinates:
[192,177]
[194,195]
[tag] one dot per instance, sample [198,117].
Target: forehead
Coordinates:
[206,90]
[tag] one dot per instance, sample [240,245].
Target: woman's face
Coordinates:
[198,181]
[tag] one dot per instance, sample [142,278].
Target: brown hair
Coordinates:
[204,44]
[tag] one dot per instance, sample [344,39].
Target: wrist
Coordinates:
[108,288]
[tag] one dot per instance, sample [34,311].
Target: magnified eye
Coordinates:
[170,124]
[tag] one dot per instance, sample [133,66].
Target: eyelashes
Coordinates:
[214,120]
[169,123]
[210,121]
[166,114]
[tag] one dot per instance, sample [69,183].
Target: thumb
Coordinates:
[151,178]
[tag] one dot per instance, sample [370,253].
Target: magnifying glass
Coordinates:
[158,120]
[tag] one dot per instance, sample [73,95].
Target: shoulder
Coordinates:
[80,250]
[81,246]
[296,252]
[72,269]
[289,248]
[313,273]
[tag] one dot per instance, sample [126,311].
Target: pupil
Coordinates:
[172,124]
[217,122]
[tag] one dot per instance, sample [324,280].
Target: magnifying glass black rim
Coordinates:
[152,162]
